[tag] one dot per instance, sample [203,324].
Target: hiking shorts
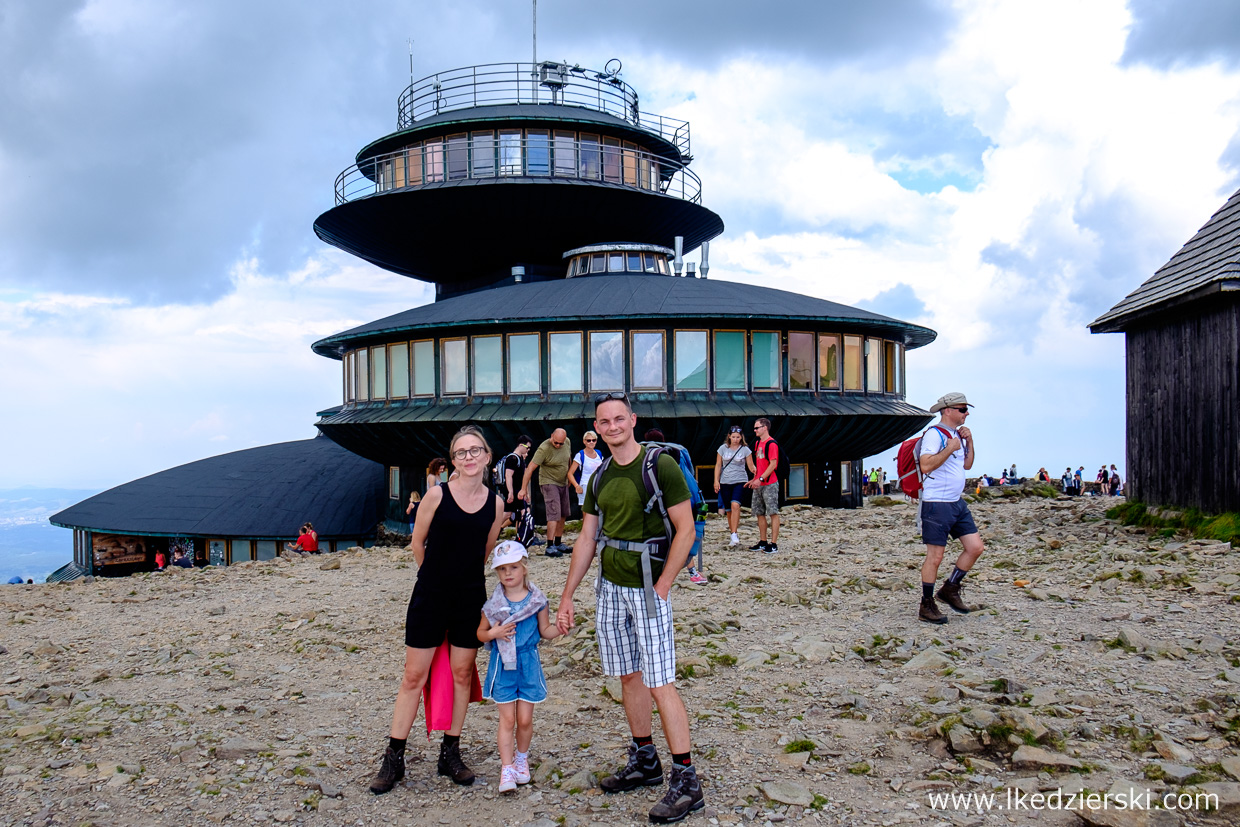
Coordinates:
[942,520]
[630,641]
[730,492]
[555,497]
[766,500]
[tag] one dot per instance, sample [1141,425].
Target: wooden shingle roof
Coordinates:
[1209,263]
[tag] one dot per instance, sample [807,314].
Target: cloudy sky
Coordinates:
[1003,172]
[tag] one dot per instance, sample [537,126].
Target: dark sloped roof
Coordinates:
[265,492]
[624,296]
[1208,263]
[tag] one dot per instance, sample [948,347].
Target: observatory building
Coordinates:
[552,214]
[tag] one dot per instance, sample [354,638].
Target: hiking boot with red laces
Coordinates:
[929,611]
[950,594]
[390,772]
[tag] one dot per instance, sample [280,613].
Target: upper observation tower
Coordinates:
[509,165]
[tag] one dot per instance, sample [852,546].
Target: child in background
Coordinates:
[694,563]
[515,620]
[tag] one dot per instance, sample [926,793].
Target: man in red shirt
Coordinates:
[765,486]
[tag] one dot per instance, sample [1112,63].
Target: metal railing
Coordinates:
[438,162]
[534,83]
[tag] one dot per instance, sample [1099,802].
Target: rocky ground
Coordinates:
[1106,659]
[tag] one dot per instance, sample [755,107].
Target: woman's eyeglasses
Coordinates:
[462,453]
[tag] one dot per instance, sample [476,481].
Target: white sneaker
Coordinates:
[735,541]
[507,778]
[522,768]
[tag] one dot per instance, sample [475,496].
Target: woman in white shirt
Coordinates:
[588,459]
[730,477]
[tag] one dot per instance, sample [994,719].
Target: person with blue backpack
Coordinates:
[642,549]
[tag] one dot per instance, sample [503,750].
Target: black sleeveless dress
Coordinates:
[451,588]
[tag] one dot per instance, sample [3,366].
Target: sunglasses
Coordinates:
[591,440]
[613,396]
[557,444]
[962,410]
[736,429]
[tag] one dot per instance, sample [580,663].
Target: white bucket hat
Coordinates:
[508,551]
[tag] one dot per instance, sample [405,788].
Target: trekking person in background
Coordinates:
[552,460]
[765,487]
[731,460]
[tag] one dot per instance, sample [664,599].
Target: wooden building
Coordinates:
[1182,340]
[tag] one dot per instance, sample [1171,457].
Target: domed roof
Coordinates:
[258,493]
[623,296]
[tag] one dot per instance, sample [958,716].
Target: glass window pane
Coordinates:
[589,157]
[798,481]
[648,362]
[611,160]
[455,364]
[488,365]
[378,370]
[538,153]
[393,483]
[434,161]
[363,375]
[630,164]
[510,153]
[565,353]
[240,550]
[845,477]
[801,361]
[565,154]
[828,362]
[633,263]
[424,368]
[606,361]
[349,391]
[662,263]
[415,165]
[216,552]
[649,263]
[524,365]
[690,360]
[767,367]
[615,263]
[729,360]
[852,363]
[889,367]
[874,365]
[399,380]
[398,168]
[265,550]
[458,157]
[598,263]
[482,155]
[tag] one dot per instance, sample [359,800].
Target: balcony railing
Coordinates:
[516,155]
[533,83]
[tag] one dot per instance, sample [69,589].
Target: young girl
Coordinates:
[514,620]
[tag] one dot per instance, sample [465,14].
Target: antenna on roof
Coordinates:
[534,62]
[411,62]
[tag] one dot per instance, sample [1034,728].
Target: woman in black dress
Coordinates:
[456,527]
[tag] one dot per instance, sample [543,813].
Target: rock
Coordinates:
[613,689]
[236,748]
[284,816]
[1044,696]
[1130,637]
[753,659]
[1173,752]
[931,659]
[1022,720]
[814,651]
[787,792]
[1027,756]
[1175,773]
[1212,644]
[1228,793]
[978,718]
[331,565]
[216,611]
[580,781]
[1232,675]
[962,740]
[1231,766]
[793,759]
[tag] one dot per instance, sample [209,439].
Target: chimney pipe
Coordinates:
[705,268]
[518,274]
[678,263]
[690,267]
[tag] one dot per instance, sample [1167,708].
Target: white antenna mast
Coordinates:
[411,62]
[534,67]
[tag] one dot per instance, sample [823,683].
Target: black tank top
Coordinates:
[456,547]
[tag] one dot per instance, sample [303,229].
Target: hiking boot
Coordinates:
[522,767]
[771,548]
[758,546]
[554,551]
[537,541]
[390,772]
[507,778]
[950,594]
[451,765]
[684,795]
[929,611]
[642,770]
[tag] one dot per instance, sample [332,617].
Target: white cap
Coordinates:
[508,551]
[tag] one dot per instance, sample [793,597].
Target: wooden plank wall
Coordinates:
[1183,431]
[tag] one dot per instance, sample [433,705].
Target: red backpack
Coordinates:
[908,464]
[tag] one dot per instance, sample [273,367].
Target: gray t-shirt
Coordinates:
[733,464]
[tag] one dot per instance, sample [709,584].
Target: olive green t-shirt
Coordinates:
[552,463]
[622,496]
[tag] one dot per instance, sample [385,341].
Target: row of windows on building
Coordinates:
[617,360]
[526,152]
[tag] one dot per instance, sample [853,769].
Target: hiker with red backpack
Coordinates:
[765,485]
[941,456]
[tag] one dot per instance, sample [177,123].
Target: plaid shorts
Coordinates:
[628,640]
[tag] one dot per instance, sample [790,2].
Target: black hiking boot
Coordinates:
[950,594]
[451,765]
[684,795]
[929,611]
[642,770]
[390,773]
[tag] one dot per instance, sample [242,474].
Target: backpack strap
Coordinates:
[651,480]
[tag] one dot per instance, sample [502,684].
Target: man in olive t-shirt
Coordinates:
[552,459]
[636,643]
